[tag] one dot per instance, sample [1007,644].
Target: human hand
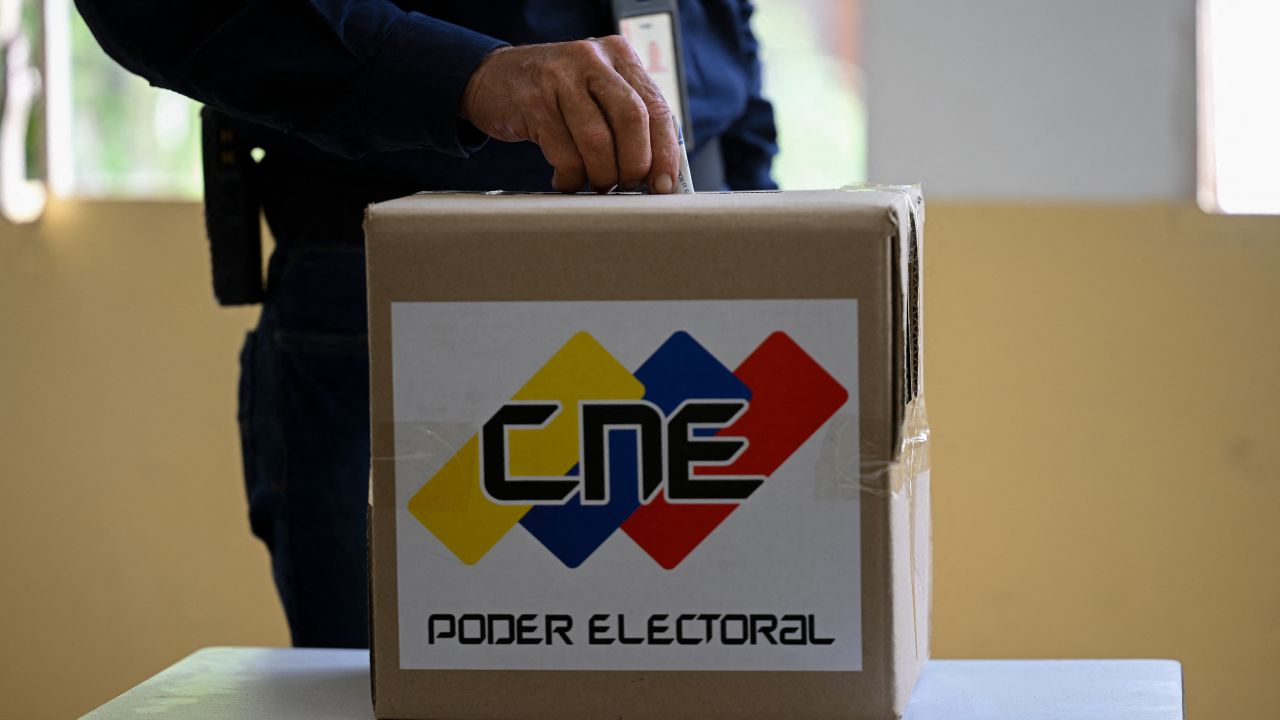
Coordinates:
[588,104]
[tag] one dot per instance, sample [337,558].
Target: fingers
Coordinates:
[660,122]
[592,137]
[629,121]
[666,154]
[561,153]
[591,107]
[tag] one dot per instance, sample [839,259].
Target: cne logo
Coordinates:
[667,450]
[664,454]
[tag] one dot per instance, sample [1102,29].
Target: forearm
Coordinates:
[351,76]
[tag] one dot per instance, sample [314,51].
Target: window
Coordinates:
[1239,107]
[22,191]
[810,50]
[109,133]
[118,136]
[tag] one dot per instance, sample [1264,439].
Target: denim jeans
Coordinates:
[304,422]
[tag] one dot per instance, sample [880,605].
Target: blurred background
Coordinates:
[1102,284]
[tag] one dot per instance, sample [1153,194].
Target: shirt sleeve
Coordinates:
[751,142]
[350,76]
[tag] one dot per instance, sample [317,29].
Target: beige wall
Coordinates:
[1104,386]
[125,543]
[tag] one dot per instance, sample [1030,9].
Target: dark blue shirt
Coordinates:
[366,92]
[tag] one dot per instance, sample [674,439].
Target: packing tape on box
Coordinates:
[911,466]
[425,441]
[893,476]
[838,471]
[421,448]
[883,478]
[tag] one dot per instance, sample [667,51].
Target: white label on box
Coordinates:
[655,485]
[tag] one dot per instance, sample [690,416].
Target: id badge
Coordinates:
[652,27]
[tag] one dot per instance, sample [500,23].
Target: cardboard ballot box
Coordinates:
[653,458]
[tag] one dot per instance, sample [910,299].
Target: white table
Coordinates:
[285,684]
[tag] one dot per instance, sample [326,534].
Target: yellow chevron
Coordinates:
[452,506]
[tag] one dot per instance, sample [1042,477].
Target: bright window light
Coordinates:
[22,192]
[111,135]
[1240,106]
[813,75]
